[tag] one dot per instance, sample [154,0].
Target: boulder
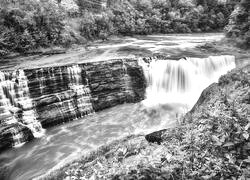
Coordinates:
[156,137]
[14,134]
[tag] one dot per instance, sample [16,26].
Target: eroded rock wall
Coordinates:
[115,82]
[61,94]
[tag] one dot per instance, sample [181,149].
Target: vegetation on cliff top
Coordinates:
[212,143]
[26,25]
[239,24]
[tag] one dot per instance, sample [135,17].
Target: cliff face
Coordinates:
[55,95]
[115,83]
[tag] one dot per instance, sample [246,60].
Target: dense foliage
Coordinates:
[129,17]
[239,25]
[26,25]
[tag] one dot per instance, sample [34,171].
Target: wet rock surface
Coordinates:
[14,134]
[55,95]
[58,93]
[156,137]
[115,82]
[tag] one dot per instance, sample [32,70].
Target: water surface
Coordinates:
[68,141]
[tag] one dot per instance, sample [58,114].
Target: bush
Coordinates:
[239,26]
[30,26]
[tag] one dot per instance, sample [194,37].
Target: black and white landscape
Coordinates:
[124,89]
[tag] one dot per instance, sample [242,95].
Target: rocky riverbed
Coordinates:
[212,142]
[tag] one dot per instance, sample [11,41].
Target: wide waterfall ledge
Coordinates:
[181,82]
[34,99]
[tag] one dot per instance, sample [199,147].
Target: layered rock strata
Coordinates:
[54,95]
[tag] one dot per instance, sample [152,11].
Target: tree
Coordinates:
[239,24]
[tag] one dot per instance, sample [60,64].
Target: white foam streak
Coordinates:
[14,96]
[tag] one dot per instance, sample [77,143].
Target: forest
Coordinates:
[27,25]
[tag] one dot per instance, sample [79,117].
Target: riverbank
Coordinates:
[170,47]
[211,143]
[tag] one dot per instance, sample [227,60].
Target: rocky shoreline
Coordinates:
[211,143]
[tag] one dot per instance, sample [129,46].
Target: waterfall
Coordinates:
[81,87]
[15,102]
[182,81]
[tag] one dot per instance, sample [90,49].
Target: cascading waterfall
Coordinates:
[82,90]
[182,81]
[15,102]
[67,89]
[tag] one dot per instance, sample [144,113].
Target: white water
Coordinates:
[82,90]
[14,95]
[181,82]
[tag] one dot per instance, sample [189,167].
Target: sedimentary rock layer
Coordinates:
[65,93]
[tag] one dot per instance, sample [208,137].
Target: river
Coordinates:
[68,141]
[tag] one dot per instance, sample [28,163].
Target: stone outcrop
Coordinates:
[13,135]
[54,95]
[156,137]
[60,95]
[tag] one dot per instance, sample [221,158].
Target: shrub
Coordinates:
[239,25]
[30,25]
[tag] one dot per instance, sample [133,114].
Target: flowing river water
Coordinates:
[173,88]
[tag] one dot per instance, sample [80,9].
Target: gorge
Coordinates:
[36,99]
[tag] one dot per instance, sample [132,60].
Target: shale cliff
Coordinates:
[212,143]
[48,96]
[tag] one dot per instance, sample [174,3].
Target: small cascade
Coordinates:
[181,82]
[16,104]
[80,86]
[17,137]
